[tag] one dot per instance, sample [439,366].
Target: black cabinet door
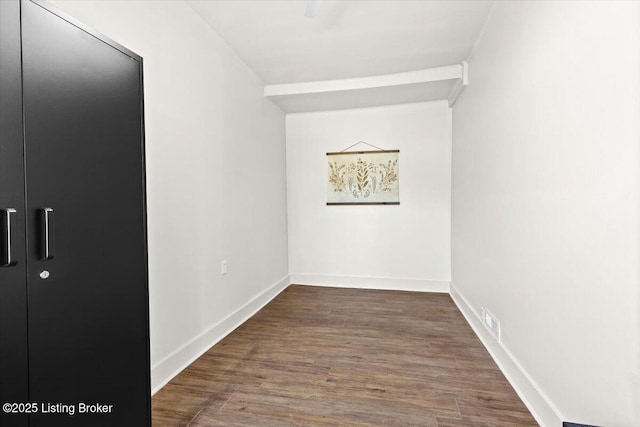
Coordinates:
[88,302]
[13,289]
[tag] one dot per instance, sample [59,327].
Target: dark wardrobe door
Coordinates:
[13,266]
[87,284]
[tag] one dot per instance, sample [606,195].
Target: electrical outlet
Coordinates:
[223,267]
[490,322]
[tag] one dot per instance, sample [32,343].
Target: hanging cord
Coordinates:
[362,142]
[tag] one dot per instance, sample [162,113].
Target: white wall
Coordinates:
[546,203]
[396,247]
[215,177]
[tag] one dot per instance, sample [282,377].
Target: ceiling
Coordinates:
[347,39]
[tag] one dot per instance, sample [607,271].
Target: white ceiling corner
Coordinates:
[348,40]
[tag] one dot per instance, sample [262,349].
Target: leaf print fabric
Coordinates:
[363,177]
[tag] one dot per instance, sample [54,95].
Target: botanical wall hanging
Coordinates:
[363,177]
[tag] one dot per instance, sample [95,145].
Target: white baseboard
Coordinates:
[540,406]
[417,285]
[163,371]
[538,403]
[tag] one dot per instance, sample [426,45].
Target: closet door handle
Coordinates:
[7,233]
[47,239]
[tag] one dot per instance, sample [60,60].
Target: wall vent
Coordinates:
[491,322]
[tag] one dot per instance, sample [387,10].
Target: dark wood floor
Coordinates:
[345,357]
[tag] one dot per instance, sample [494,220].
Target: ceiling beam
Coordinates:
[449,72]
[459,85]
